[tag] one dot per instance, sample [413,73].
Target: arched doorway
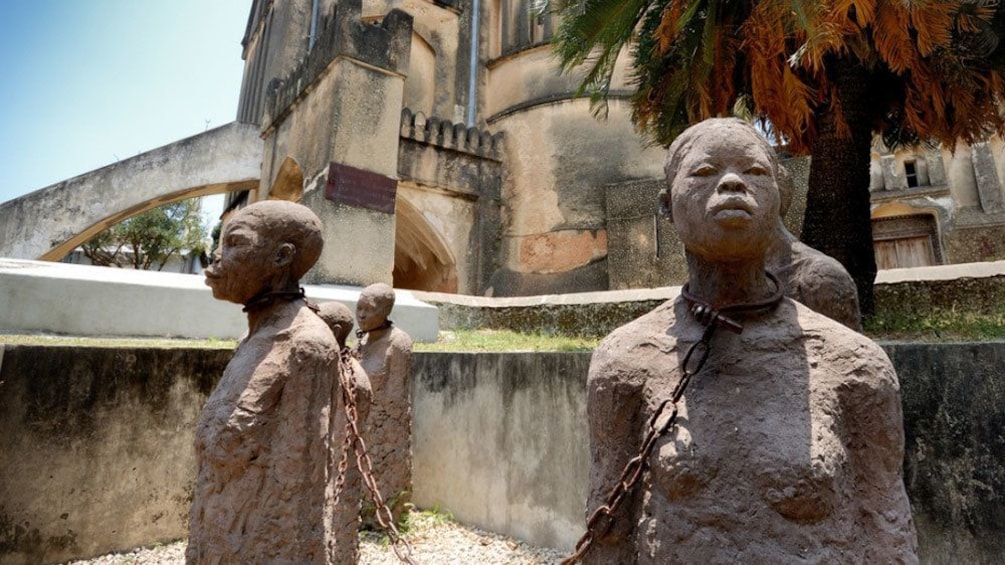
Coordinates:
[422,260]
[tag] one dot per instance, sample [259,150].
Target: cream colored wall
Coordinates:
[558,161]
[420,84]
[533,74]
[998,150]
[960,175]
[435,33]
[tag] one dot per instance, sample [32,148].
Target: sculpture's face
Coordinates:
[724,197]
[241,269]
[371,313]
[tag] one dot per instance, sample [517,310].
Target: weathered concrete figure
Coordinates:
[386,356]
[789,441]
[338,317]
[268,438]
[810,276]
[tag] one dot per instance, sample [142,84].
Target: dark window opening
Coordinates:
[911,172]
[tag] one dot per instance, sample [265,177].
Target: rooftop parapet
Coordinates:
[443,133]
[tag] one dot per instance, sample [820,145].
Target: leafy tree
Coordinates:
[150,239]
[822,75]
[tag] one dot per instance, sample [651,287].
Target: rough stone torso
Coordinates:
[787,449]
[387,362]
[264,446]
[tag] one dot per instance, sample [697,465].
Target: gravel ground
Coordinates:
[434,539]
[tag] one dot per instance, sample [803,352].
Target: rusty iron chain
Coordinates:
[602,519]
[402,549]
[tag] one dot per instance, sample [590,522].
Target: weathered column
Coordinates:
[936,167]
[893,173]
[989,187]
[337,115]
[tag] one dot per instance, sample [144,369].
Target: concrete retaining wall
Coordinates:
[95,445]
[920,293]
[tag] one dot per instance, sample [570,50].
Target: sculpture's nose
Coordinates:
[731,182]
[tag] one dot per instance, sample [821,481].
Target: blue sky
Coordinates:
[84,83]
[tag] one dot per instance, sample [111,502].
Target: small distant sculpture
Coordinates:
[809,276]
[338,317]
[266,441]
[386,355]
[786,440]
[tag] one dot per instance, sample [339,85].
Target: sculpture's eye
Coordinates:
[704,171]
[757,170]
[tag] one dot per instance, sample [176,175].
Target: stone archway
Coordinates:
[49,223]
[422,260]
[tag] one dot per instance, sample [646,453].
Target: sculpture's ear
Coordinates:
[666,208]
[285,254]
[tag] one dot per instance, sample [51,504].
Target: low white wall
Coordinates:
[80,300]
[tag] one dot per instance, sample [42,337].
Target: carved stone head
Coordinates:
[722,193]
[267,246]
[374,306]
[338,317]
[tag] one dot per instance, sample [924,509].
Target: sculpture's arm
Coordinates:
[400,363]
[870,399]
[241,437]
[614,411]
[364,393]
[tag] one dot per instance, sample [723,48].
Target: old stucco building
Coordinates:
[448,152]
[444,151]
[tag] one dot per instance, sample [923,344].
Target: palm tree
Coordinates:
[822,75]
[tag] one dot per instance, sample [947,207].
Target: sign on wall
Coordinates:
[360,188]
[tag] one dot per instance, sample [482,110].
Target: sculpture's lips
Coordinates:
[210,277]
[733,208]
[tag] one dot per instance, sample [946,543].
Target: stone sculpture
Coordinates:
[268,438]
[386,356]
[809,276]
[788,443]
[338,317]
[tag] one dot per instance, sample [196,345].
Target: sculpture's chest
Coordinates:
[758,427]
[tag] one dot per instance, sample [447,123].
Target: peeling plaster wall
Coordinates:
[553,193]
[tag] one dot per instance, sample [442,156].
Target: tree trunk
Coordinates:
[837,219]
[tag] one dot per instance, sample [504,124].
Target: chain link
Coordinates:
[402,549]
[602,519]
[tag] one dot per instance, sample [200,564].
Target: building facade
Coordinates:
[445,152]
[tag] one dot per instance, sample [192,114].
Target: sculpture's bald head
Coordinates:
[266,246]
[374,306]
[280,222]
[338,317]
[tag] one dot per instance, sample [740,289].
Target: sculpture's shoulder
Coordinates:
[307,334]
[399,339]
[815,269]
[631,351]
[855,358]
[823,284]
